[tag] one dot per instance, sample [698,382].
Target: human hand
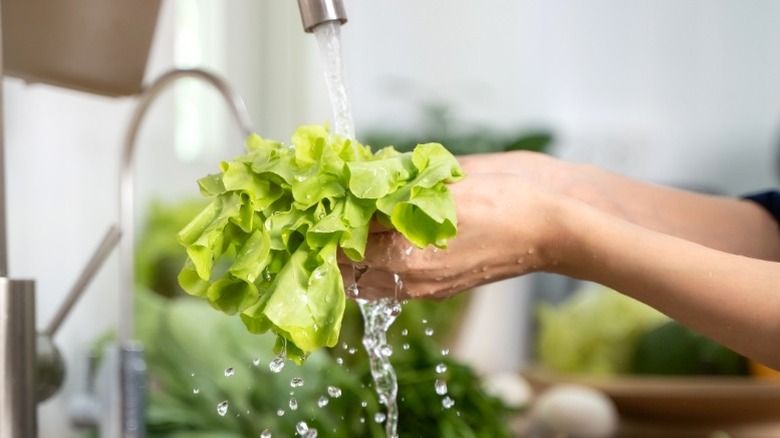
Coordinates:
[501,232]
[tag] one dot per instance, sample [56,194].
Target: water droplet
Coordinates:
[441,368]
[429,332]
[380,417]
[408,250]
[296,382]
[352,350]
[229,372]
[192,375]
[441,386]
[256,361]
[222,408]
[406,346]
[445,352]
[280,413]
[293,404]
[386,350]
[447,402]
[266,434]
[334,392]
[322,401]
[393,310]
[302,428]
[339,361]
[404,332]
[364,403]
[277,365]
[425,321]
[196,390]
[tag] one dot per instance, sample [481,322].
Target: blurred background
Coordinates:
[684,93]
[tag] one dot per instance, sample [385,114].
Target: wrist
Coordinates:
[562,245]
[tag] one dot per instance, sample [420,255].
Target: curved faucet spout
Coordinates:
[240,115]
[127,421]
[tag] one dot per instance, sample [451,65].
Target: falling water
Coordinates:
[378,315]
[329,40]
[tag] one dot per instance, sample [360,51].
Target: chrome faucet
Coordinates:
[316,12]
[24,352]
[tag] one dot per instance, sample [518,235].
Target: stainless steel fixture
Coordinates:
[53,43]
[316,12]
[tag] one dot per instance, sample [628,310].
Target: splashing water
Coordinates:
[277,365]
[378,315]
[222,408]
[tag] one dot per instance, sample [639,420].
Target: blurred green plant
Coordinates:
[440,124]
[199,358]
[599,331]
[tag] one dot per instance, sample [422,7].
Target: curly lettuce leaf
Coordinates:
[280,214]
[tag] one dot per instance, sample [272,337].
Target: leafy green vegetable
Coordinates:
[673,349]
[595,331]
[282,212]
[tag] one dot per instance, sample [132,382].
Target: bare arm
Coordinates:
[509,226]
[725,223]
[732,299]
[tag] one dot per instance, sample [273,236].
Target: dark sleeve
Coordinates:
[770,200]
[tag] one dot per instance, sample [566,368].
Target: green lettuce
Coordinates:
[266,245]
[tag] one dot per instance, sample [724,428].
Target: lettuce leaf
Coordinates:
[266,246]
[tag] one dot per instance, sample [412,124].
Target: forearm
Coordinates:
[732,299]
[724,223]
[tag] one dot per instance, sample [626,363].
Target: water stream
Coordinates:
[378,315]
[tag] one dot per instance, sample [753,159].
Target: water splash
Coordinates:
[378,316]
[334,392]
[441,386]
[222,408]
[277,365]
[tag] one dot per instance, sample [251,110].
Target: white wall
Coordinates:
[676,91]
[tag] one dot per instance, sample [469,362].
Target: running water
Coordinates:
[378,315]
[329,40]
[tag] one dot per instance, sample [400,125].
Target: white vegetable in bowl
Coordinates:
[574,411]
[511,388]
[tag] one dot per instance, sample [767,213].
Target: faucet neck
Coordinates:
[316,12]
